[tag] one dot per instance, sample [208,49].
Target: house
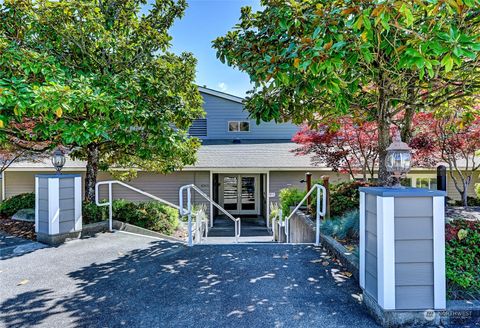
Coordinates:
[241,165]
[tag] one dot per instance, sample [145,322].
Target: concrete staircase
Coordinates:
[254,230]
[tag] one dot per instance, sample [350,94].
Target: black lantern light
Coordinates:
[58,160]
[399,158]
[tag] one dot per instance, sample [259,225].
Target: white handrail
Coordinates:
[318,214]
[110,200]
[188,188]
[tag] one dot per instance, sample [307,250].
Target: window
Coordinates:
[238,126]
[428,183]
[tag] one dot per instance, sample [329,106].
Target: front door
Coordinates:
[239,193]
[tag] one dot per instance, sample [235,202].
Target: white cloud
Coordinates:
[223,86]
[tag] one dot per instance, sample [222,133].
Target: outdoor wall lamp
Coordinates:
[58,160]
[399,158]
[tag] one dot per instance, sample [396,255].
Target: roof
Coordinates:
[221,94]
[222,154]
[251,154]
[216,154]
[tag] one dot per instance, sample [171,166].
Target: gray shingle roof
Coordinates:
[250,154]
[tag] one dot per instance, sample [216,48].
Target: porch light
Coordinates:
[58,160]
[399,158]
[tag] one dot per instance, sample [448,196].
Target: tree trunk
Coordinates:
[383,137]
[464,195]
[406,129]
[406,132]
[93,157]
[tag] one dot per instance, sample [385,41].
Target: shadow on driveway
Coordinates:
[168,285]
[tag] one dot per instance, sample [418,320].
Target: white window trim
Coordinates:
[414,178]
[239,122]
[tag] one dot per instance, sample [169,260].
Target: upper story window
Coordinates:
[238,126]
[198,128]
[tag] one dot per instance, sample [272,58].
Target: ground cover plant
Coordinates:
[12,205]
[463,259]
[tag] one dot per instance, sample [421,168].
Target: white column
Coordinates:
[3,185]
[211,197]
[362,240]
[268,197]
[386,252]
[439,252]
[53,206]
[78,202]
[36,204]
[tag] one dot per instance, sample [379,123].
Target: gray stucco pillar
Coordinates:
[402,249]
[58,207]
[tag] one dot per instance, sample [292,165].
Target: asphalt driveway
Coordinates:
[118,279]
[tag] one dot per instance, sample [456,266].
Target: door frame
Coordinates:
[239,176]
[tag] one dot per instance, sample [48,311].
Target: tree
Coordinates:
[119,98]
[314,60]
[352,148]
[452,138]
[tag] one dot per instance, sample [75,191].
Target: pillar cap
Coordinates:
[402,192]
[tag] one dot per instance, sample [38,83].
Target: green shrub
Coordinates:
[344,227]
[290,197]
[92,213]
[13,204]
[200,209]
[463,258]
[149,215]
[345,197]
[477,190]
[471,201]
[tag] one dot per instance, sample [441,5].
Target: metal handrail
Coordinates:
[318,214]
[238,223]
[110,200]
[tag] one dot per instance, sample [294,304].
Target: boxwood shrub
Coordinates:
[13,204]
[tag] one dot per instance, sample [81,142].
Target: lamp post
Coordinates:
[399,159]
[58,160]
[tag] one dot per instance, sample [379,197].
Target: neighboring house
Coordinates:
[242,165]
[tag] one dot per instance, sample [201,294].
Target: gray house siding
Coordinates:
[160,185]
[371,279]
[285,179]
[220,111]
[413,252]
[42,206]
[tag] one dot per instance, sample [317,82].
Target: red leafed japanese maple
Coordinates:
[453,140]
[350,149]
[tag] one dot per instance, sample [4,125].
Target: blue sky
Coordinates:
[205,20]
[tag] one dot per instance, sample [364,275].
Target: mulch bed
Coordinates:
[18,228]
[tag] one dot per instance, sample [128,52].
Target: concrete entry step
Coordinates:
[241,240]
[253,230]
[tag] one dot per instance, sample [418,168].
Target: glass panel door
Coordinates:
[230,193]
[247,201]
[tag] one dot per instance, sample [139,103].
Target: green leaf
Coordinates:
[447,62]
